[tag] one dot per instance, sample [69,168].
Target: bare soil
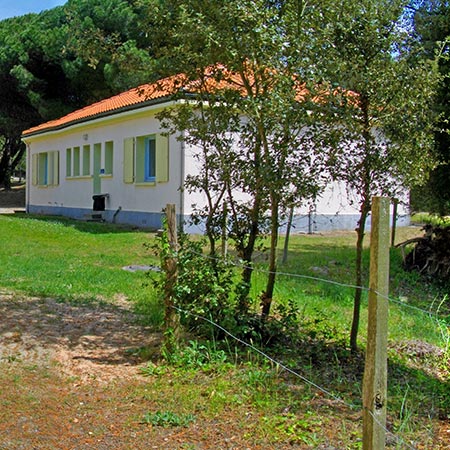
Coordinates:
[13,199]
[70,379]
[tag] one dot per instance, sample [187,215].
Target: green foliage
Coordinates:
[431,219]
[431,23]
[271,156]
[205,292]
[203,286]
[168,419]
[382,110]
[62,59]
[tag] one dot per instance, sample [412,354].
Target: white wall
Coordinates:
[333,209]
[77,192]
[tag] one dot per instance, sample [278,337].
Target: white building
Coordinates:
[110,159]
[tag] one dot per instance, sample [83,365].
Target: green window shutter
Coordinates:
[55,168]
[34,169]
[68,162]
[76,162]
[162,158]
[128,160]
[86,171]
[43,169]
[50,168]
[109,157]
[140,159]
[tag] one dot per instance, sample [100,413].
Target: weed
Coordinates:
[153,369]
[296,429]
[197,355]
[168,419]
[12,358]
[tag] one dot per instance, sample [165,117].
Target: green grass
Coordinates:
[82,262]
[331,258]
[72,260]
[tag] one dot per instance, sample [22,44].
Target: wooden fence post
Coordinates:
[169,265]
[375,372]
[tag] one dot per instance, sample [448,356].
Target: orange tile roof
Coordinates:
[213,78]
[133,98]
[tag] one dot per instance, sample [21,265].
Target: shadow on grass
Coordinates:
[85,226]
[332,366]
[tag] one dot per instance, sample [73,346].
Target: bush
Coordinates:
[203,289]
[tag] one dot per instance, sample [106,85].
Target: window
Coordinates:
[82,161]
[45,169]
[146,159]
[150,162]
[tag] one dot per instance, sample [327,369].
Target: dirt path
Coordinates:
[67,373]
[83,341]
[69,379]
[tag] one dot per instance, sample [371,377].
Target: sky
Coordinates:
[11,8]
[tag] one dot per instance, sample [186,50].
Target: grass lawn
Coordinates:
[82,263]
[72,260]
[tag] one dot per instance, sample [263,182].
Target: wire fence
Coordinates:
[398,439]
[432,315]
[429,313]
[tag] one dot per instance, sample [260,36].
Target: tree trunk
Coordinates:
[267,295]
[5,171]
[364,212]
[360,230]
[247,243]
[247,271]
[13,150]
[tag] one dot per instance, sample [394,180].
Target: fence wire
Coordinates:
[325,391]
[254,268]
[239,265]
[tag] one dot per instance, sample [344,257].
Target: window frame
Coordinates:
[146,159]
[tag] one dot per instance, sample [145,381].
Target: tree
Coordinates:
[379,111]
[251,124]
[22,91]
[62,59]
[431,23]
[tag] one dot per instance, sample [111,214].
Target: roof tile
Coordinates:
[133,97]
[214,78]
